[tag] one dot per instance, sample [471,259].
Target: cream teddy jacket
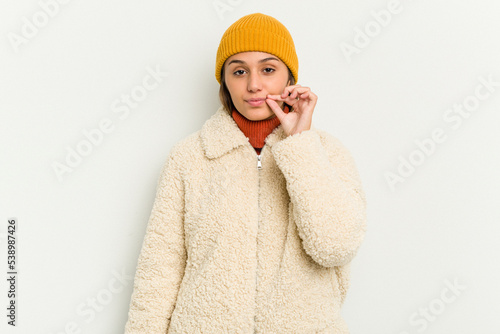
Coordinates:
[245,243]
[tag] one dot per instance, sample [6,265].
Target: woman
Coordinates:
[258,214]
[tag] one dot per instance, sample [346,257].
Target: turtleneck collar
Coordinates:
[256,131]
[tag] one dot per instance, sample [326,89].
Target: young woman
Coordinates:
[258,214]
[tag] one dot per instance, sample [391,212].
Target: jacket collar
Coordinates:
[220,134]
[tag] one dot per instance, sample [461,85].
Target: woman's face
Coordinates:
[253,75]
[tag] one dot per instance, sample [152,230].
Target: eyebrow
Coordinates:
[260,61]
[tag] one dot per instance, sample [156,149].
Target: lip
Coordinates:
[256,102]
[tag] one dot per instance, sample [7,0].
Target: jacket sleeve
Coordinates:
[162,260]
[328,203]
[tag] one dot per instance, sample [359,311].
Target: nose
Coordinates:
[254,82]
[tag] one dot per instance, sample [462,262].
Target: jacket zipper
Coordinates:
[259,167]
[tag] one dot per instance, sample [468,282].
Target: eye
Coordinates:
[237,72]
[269,68]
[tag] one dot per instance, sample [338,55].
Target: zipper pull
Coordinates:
[259,164]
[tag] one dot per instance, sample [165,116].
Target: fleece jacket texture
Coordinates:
[233,248]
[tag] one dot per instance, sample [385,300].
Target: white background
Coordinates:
[78,232]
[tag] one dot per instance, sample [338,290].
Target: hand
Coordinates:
[303,102]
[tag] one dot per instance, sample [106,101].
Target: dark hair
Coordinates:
[225,97]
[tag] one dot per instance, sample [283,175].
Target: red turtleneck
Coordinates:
[256,131]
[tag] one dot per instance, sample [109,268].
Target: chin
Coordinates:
[257,114]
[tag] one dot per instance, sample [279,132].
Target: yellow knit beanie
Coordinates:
[257,32]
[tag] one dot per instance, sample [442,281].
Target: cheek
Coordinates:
[277,85]
[234,88]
